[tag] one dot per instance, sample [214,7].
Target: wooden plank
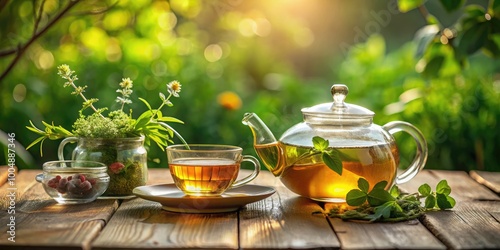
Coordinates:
[22,183]
[489,179]
[463,188]
[400,235]
[473,222]
[470,225]
[140,224]
[42,223]
[4,173]
[284,221]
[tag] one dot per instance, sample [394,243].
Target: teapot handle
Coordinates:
[60,150]
[418,162]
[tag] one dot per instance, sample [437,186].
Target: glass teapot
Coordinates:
[366,150]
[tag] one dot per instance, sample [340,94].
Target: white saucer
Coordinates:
[174,200]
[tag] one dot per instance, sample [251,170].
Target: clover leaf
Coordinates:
[378,204]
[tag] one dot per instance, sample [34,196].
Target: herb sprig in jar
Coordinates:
[116,124]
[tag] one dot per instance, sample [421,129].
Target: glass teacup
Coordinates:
[208,170]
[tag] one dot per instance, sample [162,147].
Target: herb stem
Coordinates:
[159,108]
[306,155]
[85,100]
[80,93]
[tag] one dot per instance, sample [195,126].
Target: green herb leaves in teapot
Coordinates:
[330,156]
[378,204]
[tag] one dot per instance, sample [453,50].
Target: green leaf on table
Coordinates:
[378,196]
[424,189]
[430,201]
[381,185]
[444,201]
[407,5]
[355,197]
[384,210]
[451,5]
[443,188]
[363,185]
[394,191]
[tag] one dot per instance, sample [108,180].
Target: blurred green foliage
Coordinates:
[228,61]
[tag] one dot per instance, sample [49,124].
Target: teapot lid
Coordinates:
[338,112]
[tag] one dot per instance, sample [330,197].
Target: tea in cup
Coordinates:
[208,170]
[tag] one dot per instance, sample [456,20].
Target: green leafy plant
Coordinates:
[117,124]
[442,48]
[379,204]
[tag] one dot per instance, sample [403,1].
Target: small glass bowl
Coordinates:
[74,182]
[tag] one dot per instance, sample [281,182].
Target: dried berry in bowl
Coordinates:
[74,182]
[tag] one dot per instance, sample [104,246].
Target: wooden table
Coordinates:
[281,221]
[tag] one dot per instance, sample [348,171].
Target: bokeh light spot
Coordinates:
[247,27]
[166,38]
[116,20]
[273,81]
[90,37]
[167,20]
[45,60]
[19,92]
[213,52]
[113,50]
[26,9]
[188,8]
[262,27]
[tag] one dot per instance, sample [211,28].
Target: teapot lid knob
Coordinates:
[339,93]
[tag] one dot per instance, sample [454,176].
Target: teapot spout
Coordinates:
[265,144]
[261,133]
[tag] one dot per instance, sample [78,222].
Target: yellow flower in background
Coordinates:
[229,100]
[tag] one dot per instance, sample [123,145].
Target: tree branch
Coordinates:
[424,12]
[22,48]
[39,16]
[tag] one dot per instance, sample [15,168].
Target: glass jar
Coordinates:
[126,159]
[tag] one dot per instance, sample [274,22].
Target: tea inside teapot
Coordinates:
[311,177]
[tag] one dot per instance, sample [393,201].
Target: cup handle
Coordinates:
[60,150]
[39,178]
[418,162]
[252,176]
